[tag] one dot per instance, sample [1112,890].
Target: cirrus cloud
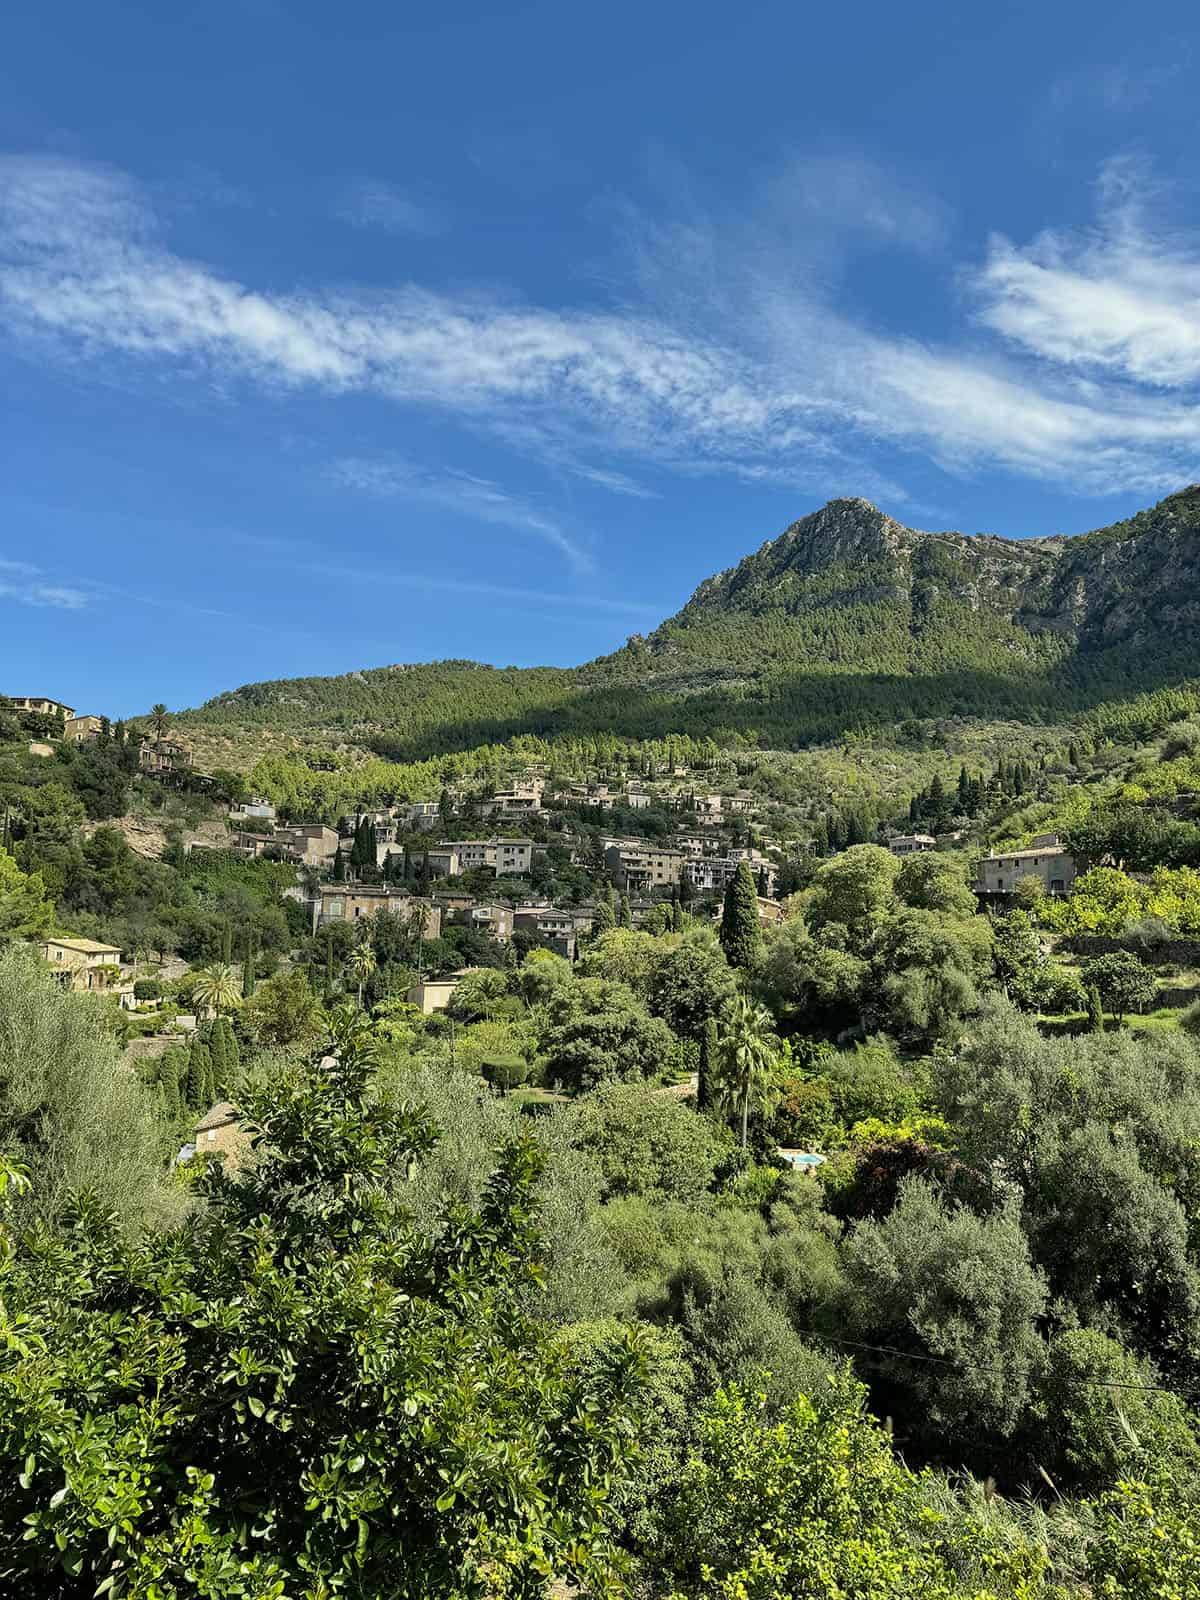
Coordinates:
[1081,367]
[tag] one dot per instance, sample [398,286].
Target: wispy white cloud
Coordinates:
[28,590]
[1122,299]
[460,492]
[368,203]
[731,359]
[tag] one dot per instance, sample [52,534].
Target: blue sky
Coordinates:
[338,336]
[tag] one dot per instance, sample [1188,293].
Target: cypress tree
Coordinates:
[216,1054]
[741,937]
[677,918]
[233,1051]
[248,969]
[605,917]
[199,1076]
[226,1058]
[937,801]
[626,912]
[362,852]
[168,1086]
[708,1058]
[1095,1010]
[227,944]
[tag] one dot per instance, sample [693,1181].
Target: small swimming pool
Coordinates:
[802,1160]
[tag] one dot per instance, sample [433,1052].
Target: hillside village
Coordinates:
[587,1012]
[680,844]
[646,846]
[789,1034]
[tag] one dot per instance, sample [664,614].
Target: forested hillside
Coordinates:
[845,622]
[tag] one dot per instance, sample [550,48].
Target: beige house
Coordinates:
[164,755]
[38,703]
[221,1132]
[911,844]
[433,994]
[505,857]
[445,861]
[488,917]
[558,930]
[422,816]
[80,729]
[640,868]
[347,902]
[514,857]
[1045,859]
[253,810]
[522,800]
[308,844]
[83,963]
[715,873]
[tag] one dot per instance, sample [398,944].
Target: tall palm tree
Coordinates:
[160,717]
[217,988]
[362,965]
[746,1057]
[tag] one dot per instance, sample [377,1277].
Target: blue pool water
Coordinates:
[800,1158]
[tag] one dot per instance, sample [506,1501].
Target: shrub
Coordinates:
[505,1072]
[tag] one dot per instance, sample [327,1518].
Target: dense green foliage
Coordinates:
[526,1290]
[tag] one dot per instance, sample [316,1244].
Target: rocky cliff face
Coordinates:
[847,619]
[1133,582]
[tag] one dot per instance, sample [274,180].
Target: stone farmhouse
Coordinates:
[1046,859]
[347,902]
[83,964]
[911,844]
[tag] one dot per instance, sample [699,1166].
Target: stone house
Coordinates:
[1046,859]
[433,994]
[639,868]
[167,755]
[911,844]
[44,707]
[83,964]
[221,1132]
[347,902]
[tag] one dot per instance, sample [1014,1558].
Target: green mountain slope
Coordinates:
[846,620]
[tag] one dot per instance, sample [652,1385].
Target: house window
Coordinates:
[1056,886]
[1000,884]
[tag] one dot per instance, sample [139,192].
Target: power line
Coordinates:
[942,1361]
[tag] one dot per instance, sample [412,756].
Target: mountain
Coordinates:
[847,619]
